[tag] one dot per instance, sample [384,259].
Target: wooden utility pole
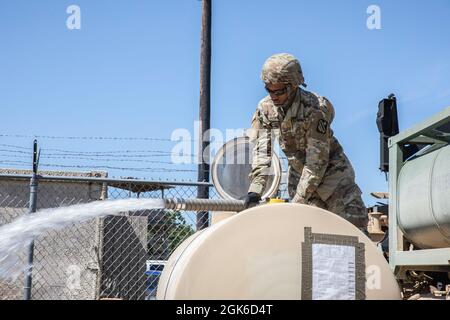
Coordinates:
[205,109]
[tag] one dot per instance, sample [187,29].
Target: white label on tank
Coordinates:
[333,272]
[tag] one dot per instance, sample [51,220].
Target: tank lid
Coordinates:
[232,165]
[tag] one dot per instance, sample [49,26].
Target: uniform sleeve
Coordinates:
[262,154]
[318,139]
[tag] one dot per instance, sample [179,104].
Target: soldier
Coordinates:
[319,173]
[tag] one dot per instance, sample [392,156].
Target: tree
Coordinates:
[167,234]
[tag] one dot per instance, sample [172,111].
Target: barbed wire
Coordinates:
[116,168]
[16,151]
[16,156]
[105,152]
[81,155]
[106,159]
[116,155]
[50,165]
[90,138]
[107,156]
[95,159]
[124,153]
[15,162]
[14,146]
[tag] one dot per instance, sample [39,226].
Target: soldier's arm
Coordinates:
[317,156]
[262,154]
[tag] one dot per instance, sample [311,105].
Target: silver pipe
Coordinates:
[204,205]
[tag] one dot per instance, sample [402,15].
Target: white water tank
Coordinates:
[278,251]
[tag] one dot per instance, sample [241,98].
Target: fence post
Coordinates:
[32,208]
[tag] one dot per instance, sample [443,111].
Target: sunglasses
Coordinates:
[278,92]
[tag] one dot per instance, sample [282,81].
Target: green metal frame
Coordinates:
[401,258]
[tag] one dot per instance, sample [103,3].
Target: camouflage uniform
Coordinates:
[319,172]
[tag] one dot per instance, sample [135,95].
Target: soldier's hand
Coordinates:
[251,199]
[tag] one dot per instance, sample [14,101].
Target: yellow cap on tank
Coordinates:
[276,200]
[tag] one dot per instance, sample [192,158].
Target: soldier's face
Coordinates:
[278,92]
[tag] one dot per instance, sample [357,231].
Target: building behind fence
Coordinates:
[108,257]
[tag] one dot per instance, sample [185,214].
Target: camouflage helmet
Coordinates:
[283,68]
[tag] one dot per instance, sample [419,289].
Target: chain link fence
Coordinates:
[113,257]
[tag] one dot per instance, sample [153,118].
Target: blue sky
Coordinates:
[133,71]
